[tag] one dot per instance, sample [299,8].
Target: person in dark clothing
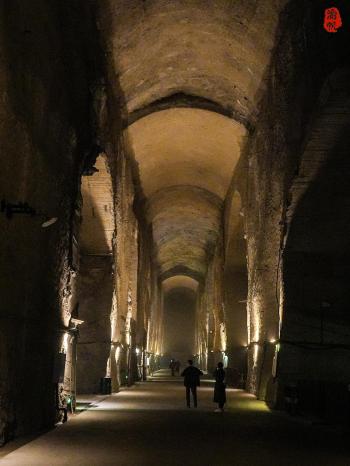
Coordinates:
[172,367]
[219,388]
[191,381]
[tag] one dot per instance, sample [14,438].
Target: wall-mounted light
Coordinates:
[76,322]
[49,222]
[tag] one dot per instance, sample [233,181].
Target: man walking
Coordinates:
[172,367]
[191,381]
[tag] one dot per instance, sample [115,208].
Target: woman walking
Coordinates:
[219,388]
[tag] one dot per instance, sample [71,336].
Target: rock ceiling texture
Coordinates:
[218,50]
[210,53]
[179,281]
[186,159]
[185,146]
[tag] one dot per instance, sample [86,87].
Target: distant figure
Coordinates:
[172,366]
[191,381]
[177,367]
[219,388]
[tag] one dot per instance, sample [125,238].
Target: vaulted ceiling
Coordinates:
[217,50]
[191,73]
[186,158]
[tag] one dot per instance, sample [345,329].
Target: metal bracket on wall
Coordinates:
[20,208]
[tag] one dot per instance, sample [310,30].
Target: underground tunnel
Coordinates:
[174,185]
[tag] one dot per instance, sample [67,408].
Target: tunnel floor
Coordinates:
[149,424]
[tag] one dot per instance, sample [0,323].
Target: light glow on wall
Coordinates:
[65,342]
[248,325]
[108,368]
[255,354]
[117,354]
[114,318]
[128,319]
[223,337]
[254,321]
[274,362]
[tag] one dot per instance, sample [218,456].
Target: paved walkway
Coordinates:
[150,425]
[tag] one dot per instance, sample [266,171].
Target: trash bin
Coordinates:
[105,386]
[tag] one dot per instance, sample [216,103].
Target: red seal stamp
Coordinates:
[332,20]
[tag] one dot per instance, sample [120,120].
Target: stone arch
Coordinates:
[221,51]
[95,278]
[179,302]
[179,322]
[184,176]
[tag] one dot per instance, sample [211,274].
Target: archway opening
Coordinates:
[179,324]
[95,278]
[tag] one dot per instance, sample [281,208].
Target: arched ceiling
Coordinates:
[186,158]
[186,222]
[213,54]
[97,225]
[179,281]
[218,50]
[186,146]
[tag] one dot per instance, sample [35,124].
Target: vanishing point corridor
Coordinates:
[174,190]
[149,424]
